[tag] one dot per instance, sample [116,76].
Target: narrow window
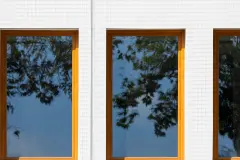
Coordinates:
[145,95]
[38,84]
[226,94]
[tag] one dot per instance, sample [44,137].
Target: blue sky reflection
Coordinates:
[45,130]
[139,140]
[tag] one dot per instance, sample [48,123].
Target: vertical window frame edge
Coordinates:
[215,94]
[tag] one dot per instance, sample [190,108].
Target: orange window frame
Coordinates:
[216,34]
[3,96]
[181,46]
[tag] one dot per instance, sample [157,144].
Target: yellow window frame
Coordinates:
[217,33]
[3,96]
[181,46]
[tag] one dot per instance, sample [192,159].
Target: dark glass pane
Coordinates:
[39,88]
[145,96]
[229,97]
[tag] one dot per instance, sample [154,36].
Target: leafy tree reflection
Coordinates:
[229,80]
[40,66]
[154,59]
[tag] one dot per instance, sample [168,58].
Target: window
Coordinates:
[39,93]
[145,95]
[226,94]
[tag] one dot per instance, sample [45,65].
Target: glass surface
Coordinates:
[39,88]
[229,96]
[145,96]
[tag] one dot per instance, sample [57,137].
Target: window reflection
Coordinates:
[229,92]
[39,91]
[145,71]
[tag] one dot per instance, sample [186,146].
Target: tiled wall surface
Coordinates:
[198,18]
[60,14]
[92,18]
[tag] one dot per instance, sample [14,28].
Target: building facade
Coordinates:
[197,20]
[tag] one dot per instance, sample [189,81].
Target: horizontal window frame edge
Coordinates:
[146,158]
[38,158]
[227,158]
[146,32]
[40,32]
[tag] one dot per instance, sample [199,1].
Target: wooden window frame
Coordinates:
[3,96]
[216,35]
[181,40]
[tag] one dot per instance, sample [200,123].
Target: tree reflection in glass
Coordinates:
[39,90]
[145,72]
[229,97]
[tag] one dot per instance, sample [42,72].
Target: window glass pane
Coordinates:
[145,71]
[39,88]
[229,93]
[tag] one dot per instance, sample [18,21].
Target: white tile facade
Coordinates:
[92,18]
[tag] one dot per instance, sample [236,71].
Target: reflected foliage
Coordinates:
[39,66]
[154,59]
[229,80]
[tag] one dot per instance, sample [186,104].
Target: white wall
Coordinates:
[198,17]
[73,14]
